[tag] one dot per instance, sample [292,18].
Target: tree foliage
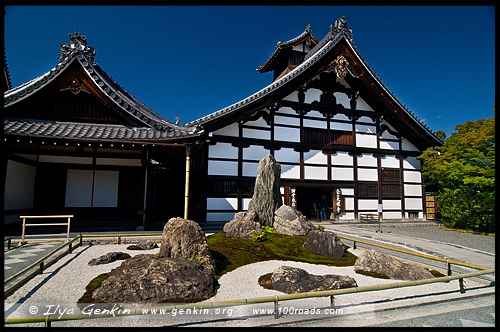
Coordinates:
[464,171]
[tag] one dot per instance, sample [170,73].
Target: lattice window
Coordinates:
[391,191]
[391,175]
[368,190]
[320,136]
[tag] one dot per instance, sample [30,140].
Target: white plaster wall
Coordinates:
[286,110]
[292,96]
[245,202]
[412,176]
[367,159]
[360,128]
[222,150]
[286,120]
[366,119]
[420,215]
[222,204]
[386,134]
[231,130]
[340,116]
[348,191]
[220,216]
[258,123]
[312,95]
[391,204]
[411,163]
[106,188]
[315,173]
[368,204]
[340,126]
[407,146]
[19,186]
[366,141]
[315,124]
[362,105]
[349,203]
[255,152]
[413,190]
[342,174]
[347,216]
[315,157]
[287,155]
[389,145]
[290,172]
[287,134]
[216,167]
[392,215]
[367,174]
[250,169]
[78,188]
[343,99]
[413,203]
[65,160]
[389,162]
[118,162]
[342,158]
[255,133]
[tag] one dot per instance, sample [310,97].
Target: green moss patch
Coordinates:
[437,274]
[93,285]
[265,281]
[230,253]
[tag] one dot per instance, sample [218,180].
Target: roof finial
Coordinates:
[77,43]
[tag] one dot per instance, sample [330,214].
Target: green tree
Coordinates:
[464,171]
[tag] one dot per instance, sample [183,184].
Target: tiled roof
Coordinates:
[79,51]
[279,46]
[72,130]
[338,31]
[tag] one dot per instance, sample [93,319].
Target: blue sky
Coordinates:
[190,61]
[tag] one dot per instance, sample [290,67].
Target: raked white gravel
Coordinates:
[61,285]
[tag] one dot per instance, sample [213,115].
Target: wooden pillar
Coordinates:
[186,190]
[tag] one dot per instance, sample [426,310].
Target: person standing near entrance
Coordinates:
[322,207]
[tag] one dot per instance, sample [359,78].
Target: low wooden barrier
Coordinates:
[68,217]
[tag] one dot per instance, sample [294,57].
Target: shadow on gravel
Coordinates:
[43,282]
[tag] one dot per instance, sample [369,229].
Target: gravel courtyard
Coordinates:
[58,289]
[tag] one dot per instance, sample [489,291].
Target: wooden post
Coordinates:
[276,315]
[353,244]
[461,285]
[69,222]
[448,270]
[186,190]
[23,231]
[332,301]
[41,267]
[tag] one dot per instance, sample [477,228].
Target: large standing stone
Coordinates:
[394,268]
[151,279]
[289,221]
[184,238]
[266,196]
[239,227]
[290,280]
[325,243]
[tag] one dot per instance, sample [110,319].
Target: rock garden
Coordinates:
[188,266]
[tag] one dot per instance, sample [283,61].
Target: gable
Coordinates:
[338,82]
[71,96]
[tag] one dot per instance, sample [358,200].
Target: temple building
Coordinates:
[79,143]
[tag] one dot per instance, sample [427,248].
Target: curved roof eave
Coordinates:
[120,97]
[268,89]
[392,95]
[290,43]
